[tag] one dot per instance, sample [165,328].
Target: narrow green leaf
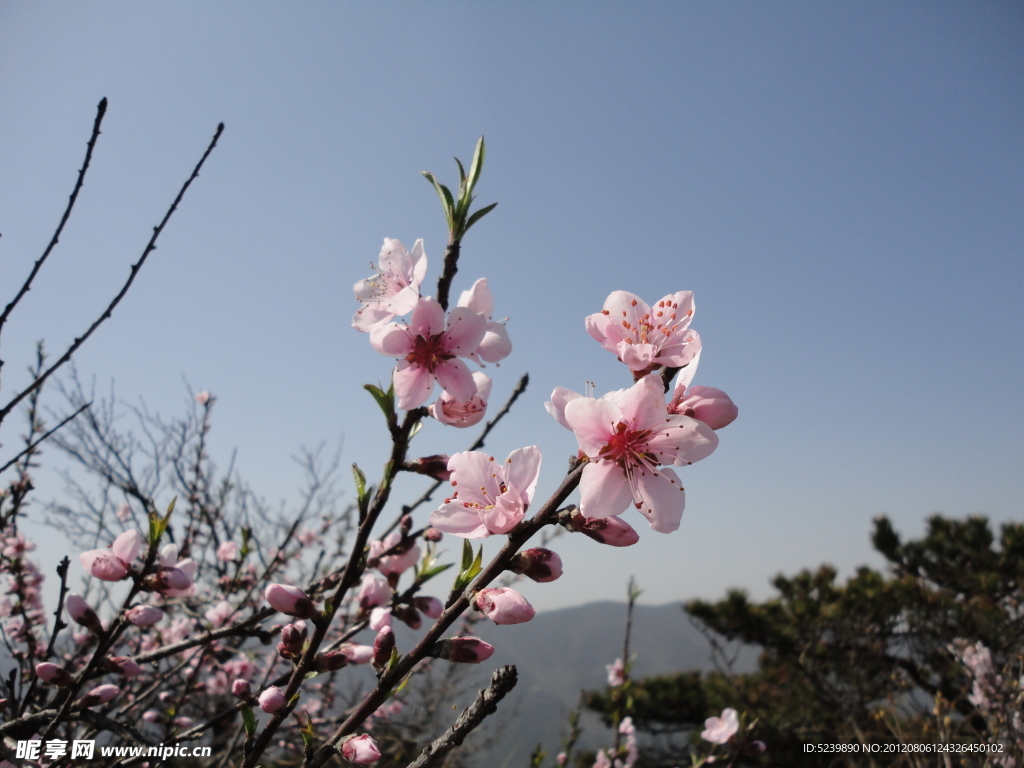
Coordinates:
[477,215]
[384,399]
[477,165]
[467,555]
[445,195]
[415,429]
[249,721]
[462,172]
[478,564]
[311,674]
[357,473]
[428,574]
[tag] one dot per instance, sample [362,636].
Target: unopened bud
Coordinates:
[429,606]
[82,613]
[538,564]
[168,579]
[290,600]
[241,689]
[361,750]
[271,699]
[383,645]
[409,615]
[463,650]
[331,661]
[53,674]
[613,531]
[122,665]
[357,654]
[99,695]
[405,525]
[144,615]
[432,534]
[435,466]
[504,606]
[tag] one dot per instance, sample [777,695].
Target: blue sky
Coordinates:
[841,185]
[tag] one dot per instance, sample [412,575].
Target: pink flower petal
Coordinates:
[662,499]
[455,519]
[413,384]
[455,378]
[604,490]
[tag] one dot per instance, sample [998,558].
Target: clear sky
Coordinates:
[840,184]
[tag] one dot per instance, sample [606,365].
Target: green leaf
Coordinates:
[386,400]
[467,555]
[249,721]
[429,573]
[415,429]
[462,172]
[477,164]
[445,195]
[311,674]
[357,473]
[477,215]
[478,564]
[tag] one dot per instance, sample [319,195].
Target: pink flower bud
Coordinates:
[613,531]
[383,645]
[358,654]
[373,591]
[126,546]
[81,613]
[144,615]
[504,606]
[331,661]
[404,554]
[272,699]
[227,552]
[124,512]
[463,650]
[203,398]
[290,600]
[293,637]
[707,404]
[101,694]
[241,689]
[122,665]
[169,580]
[433,466]
[538,564]
[429,606]
[409,615]
[380,617]
[432,534]
[154,716]
[3,704]
[361,750]
[616,672]
[53,674]
[561,758]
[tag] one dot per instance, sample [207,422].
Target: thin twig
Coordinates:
[101,109]
[486,703]
[32,446]
[150,247]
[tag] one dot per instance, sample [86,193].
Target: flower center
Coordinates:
[429,351]
[628,448]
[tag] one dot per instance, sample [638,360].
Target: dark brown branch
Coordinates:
[451,266]
[150,247]
[486,703]
[101,110]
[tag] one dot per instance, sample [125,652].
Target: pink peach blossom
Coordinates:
[616,672]
[219,614]
[718,730]
[456,413]
[82,613]
[380,617]
[203,398]
[227,551]
[489,497]
[101,694]
[707,404]
[361,750]
[504,606]
[52,673]
[395,289]
[124,512]
[358,654]
[627,435]
[122,665]
[373,591]
[394,563]
[113,564]
[646,337]
[495,345]
[430,350]
[241,689]
[383,645]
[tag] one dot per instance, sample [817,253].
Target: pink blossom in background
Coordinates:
[602,760]
[456,413]
[504,606]
[289,600]
[383,645]
[495,345]
[122,665]
[627,435]
[393,564]
[175,577]
[628,730]
[395,289]
[561,757]
[241,689]
[489,497]
[308,536]
[219,614]
[430,350]
[645,337]
[360,750]
[271,699]
[113,564]
[616,672]
[707,404]
[227,551]
[154,717]
[82,613]
[54,674]
[718,730]
[124,512]
[144,615]
[203,397]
